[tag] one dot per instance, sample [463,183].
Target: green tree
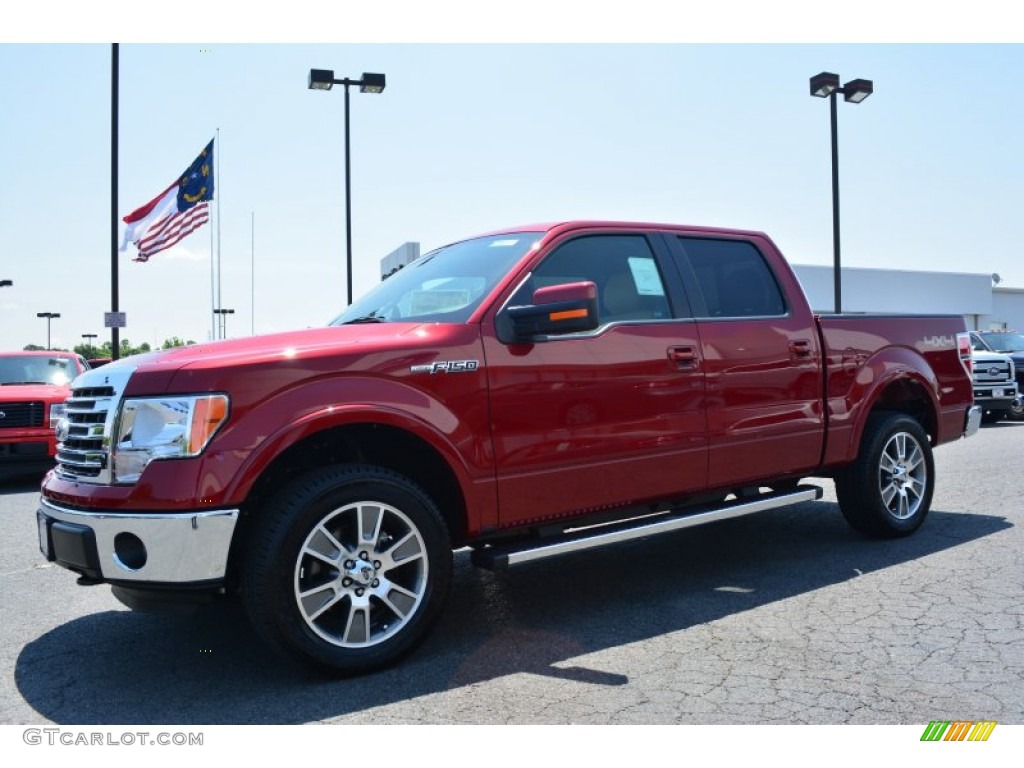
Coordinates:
[106,349]
[175,341]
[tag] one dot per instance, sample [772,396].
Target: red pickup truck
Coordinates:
[33,387]
[525,393]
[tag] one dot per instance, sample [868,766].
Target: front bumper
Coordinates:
[161,549]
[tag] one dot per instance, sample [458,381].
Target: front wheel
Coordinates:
[348,568]
[887,491]
[1016,411]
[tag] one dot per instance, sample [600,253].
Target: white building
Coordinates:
[973,295]
[404,254]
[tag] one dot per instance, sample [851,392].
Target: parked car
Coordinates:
[995,388]
[33,388]
[528,393]
[1008,343]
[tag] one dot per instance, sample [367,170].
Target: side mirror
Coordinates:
[556,309]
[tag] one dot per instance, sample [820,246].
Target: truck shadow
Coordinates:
[12,484]
[123,668]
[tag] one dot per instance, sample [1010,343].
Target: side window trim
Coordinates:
[679,294]
[688,277]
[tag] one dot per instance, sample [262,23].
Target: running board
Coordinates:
[499,557]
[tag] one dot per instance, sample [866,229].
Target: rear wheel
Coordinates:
[887,491]
[349,566]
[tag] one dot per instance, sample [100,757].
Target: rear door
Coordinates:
[761,356]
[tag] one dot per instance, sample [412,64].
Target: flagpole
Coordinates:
[115,342]
[213,292]
[219,182]
[252,277]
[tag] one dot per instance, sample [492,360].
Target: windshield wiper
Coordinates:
[370,318]
[19,383]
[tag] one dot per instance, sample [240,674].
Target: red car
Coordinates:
[33,388]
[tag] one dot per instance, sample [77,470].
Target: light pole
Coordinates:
[49,316]
[88,342]
[224,320]
[323,80]
[826,85]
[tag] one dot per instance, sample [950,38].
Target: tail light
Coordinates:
[963,342]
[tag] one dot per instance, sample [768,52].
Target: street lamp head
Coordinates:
[858,90]
[372,83]
[824,84]
[321,79]
[5,283]
[48,314]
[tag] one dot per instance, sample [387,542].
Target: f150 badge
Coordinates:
[446,366]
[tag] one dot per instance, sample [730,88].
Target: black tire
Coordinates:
[1016,411]
[887,491]
[364,604]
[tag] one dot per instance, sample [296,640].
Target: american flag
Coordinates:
[176,212]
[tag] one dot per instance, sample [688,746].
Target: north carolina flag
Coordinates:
[178,211]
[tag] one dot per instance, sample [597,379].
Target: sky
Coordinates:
[538,123]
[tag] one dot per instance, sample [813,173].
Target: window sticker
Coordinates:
[645,276]
[502,243]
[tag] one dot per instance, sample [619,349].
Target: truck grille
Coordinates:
[83,449]
[83,453]
[992,372]
[22,415]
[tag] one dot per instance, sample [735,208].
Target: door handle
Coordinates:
[800,348]
[684,358]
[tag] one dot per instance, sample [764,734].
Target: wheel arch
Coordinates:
[897,380]
[374,443]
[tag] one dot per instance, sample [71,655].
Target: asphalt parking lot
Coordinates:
[784,617]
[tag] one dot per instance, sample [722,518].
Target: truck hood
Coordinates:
[274,347]
[20,393]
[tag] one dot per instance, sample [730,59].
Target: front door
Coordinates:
[597,420]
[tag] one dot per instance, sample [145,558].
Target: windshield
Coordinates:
[36,369]
[443,286]
[1004,342]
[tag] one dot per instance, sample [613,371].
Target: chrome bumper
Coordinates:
[973,420]
[180,548]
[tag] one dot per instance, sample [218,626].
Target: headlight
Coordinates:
[57,412]
[164,428]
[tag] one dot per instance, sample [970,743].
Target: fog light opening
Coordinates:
[129,551]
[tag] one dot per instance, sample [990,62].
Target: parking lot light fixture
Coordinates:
[370,82]
[825,85]
[321,79]
[49,317]
[5,283]
[224,320]
[856,91]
